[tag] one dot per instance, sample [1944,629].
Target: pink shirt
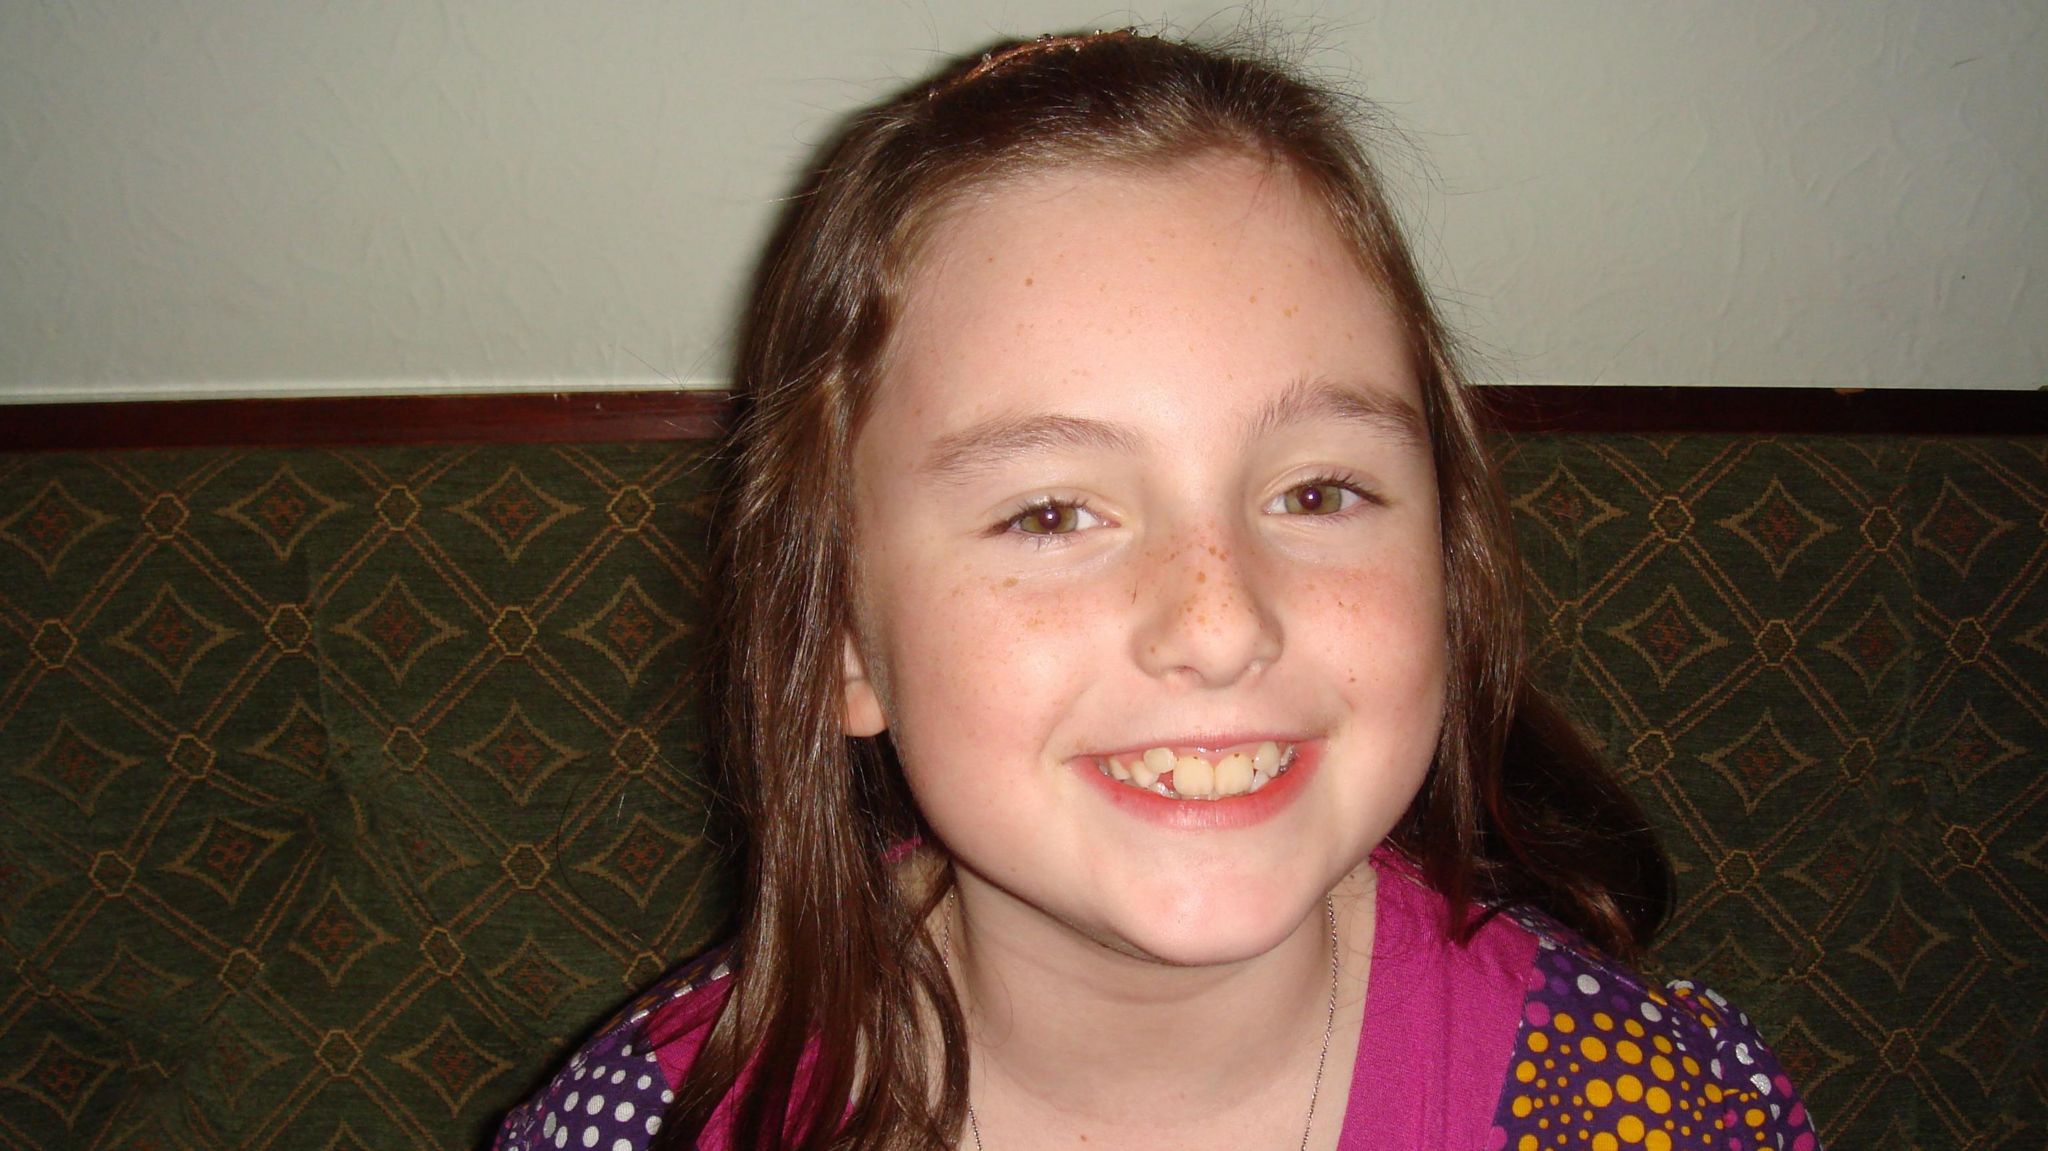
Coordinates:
[1524,1037]
[1440,1023]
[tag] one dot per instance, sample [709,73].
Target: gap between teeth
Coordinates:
[1197,777]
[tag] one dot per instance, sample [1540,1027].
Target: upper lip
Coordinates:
[1206,743]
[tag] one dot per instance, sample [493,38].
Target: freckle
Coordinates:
[1011,582]
[1254,298]
[1028,281]
[1290,310]
[1201,577]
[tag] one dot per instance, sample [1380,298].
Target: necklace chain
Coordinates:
[1315,1090]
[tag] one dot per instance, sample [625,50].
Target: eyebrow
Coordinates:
[959,457]
[1314,398]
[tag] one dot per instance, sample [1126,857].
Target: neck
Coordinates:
[1065,1030]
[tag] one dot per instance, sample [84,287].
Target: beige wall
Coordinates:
[216,197]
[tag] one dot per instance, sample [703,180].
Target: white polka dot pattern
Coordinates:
[610,1095]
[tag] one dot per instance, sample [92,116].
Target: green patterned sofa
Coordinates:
[346,783]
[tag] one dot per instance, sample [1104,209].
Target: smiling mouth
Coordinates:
[1193,773]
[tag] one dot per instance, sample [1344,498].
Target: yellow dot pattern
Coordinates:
[1606,1062]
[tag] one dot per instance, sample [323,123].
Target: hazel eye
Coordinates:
[1316,498]
[1052,518]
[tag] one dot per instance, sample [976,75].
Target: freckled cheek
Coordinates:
[981,660]
[1381,627]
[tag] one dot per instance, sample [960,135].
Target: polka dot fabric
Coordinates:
[1600,1060]
[1605,1063]
[612,1094]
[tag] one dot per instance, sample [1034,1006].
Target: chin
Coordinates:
[1200,930]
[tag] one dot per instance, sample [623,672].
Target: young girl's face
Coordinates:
[1147,470]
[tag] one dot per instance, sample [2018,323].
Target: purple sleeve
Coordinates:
[1605,1062]
[612,1093]
[1759,1105]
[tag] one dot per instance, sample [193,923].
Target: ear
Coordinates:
[863,707]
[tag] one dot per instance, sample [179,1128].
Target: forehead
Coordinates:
[1145,292]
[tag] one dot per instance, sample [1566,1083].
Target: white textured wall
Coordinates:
[219,197]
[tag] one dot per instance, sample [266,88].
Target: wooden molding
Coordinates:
[601,417]
[1761,411]
[361,421]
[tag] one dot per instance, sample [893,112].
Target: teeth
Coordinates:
[1266,760]
[1234,774]
[1194,777]
[1159,761]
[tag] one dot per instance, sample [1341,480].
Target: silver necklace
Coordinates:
[1315,1090]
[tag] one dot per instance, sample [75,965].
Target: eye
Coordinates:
[1052,518]
[1317,497]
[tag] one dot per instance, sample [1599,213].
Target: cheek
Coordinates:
[975,661]
[1383,628]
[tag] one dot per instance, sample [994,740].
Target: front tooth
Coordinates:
[1194,777]
[1234,774]
[1266,760]
[1118,771]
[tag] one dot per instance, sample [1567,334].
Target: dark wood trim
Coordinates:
[360,421]
[599,417]
[1755,411]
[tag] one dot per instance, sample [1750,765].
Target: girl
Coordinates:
[1124,698]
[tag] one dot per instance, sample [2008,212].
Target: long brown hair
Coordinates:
[831,962]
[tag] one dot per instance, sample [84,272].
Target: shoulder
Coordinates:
[1606,1059]
[613,1091]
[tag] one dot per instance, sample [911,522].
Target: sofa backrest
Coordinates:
[347,787]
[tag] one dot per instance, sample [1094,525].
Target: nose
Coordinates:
[1205,618]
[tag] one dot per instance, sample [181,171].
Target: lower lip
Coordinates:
[1247,810]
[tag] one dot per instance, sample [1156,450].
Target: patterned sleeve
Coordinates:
[611,1095]
[1605,1062]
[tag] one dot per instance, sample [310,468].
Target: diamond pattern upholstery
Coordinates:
[345,789]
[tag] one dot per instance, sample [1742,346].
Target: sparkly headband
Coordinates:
[1028,49]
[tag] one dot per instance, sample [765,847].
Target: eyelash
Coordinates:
[1013,524]
[1365,495]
